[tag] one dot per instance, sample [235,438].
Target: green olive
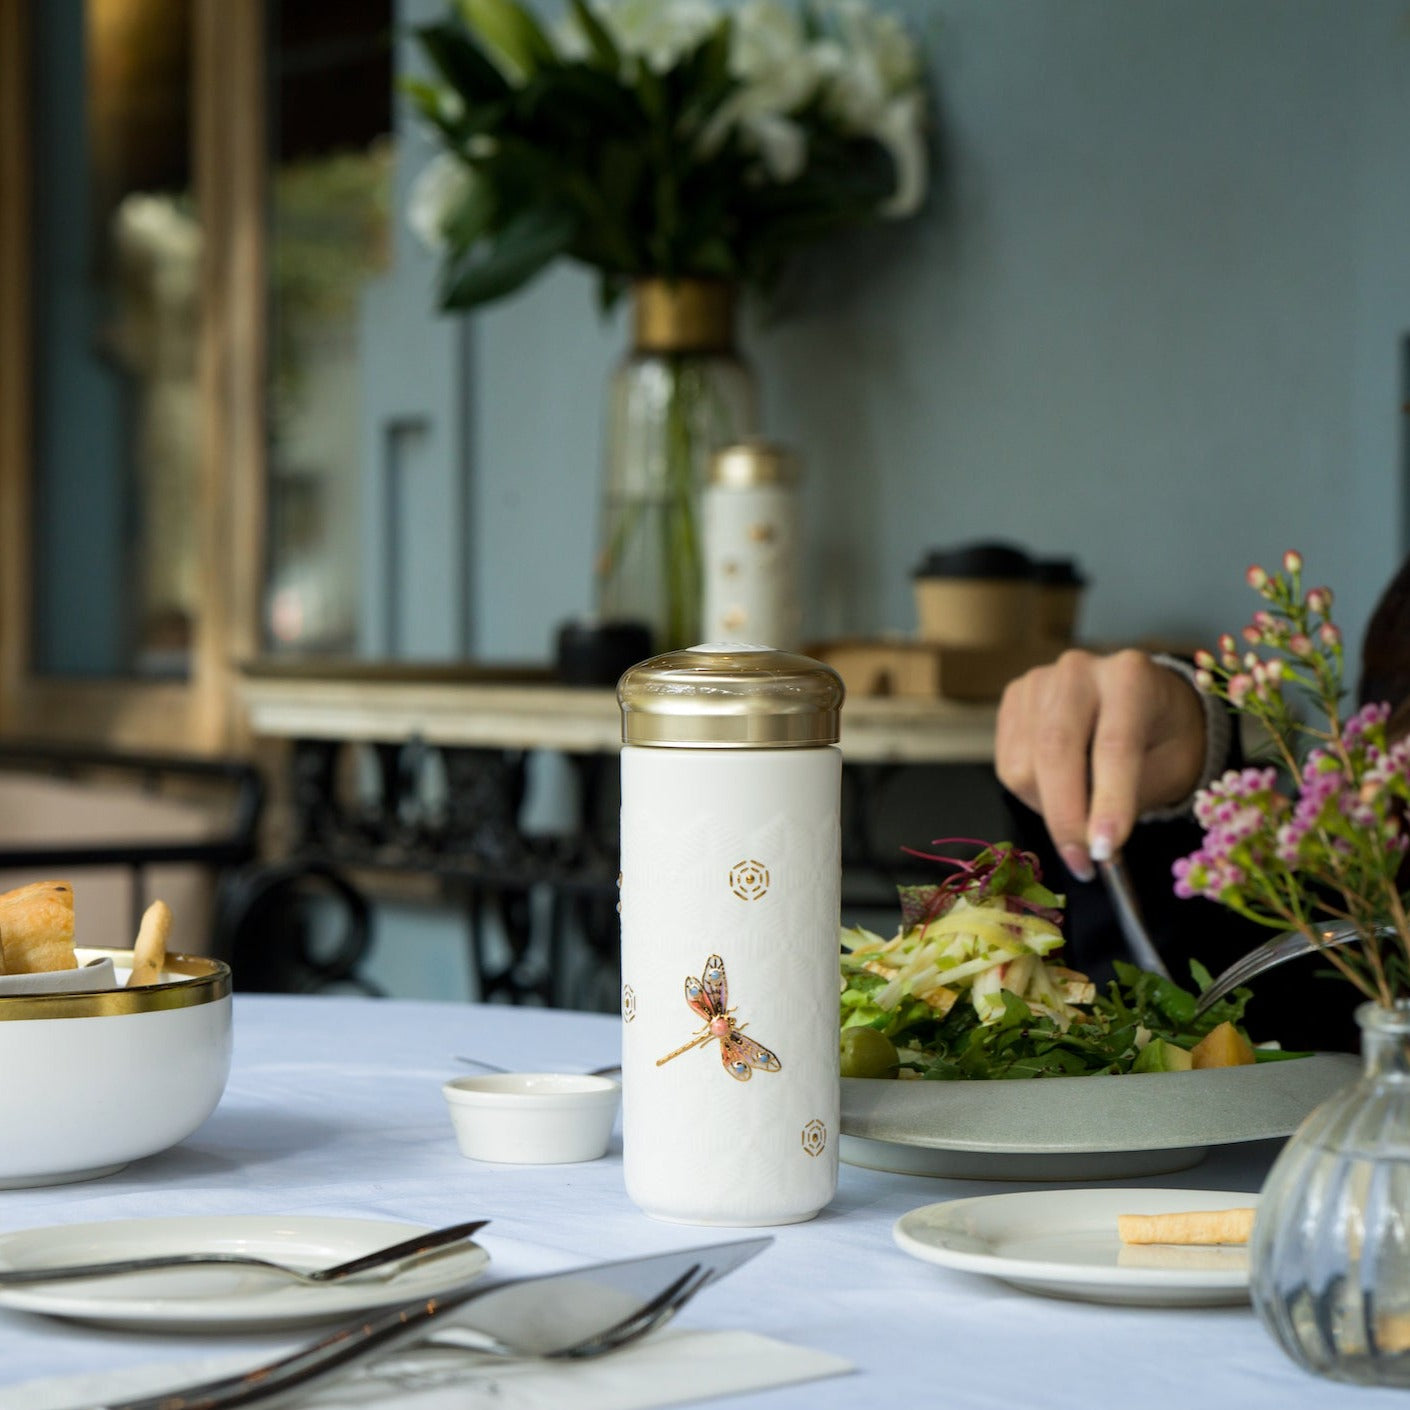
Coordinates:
[867,1053]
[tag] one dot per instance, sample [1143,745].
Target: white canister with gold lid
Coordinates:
[750,532]
[730,899]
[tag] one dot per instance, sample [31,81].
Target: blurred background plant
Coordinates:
[662,138]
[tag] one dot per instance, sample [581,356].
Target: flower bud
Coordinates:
[1204,680]
[1204,660]
[1239,687]
[1252,635]
[1256,577]
[1319,600]
[1300,644]
[1251,663]
[1330,634]
[1292,561]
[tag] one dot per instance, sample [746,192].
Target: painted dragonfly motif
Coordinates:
[708,997]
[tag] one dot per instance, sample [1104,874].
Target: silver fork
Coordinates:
[382,1258]
[585,1312]
[1286,946]
[611,1070]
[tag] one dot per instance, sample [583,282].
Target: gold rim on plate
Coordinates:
[200,980]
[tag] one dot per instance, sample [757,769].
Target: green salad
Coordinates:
[972,986]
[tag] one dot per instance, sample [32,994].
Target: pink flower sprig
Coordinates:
[1329,844]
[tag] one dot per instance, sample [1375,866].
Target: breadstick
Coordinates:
[1197,1226]
[149,951]
[36,928]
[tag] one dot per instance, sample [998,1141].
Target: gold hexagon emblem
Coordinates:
[749,880]
[628,1003]
[815,1137]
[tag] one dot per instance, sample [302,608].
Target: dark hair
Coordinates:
[1385,653]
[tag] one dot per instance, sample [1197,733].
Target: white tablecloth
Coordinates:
[334,1107]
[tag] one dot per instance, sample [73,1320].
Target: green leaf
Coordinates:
[578,105]
[462,63]
[611,286]
[525,244]
[916,903]
[604,48]
[511,32]
[474,217]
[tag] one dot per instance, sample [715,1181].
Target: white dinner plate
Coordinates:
[216,1299]
[1063,1243]
[1080,1128]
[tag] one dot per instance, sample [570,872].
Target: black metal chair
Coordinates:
[221,852]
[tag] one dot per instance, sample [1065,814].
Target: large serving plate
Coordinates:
[1079,1128]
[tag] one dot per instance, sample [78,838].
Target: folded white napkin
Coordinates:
[96,974]
[666,1369]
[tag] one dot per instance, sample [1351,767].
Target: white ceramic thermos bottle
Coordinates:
[749,523]
[730,887]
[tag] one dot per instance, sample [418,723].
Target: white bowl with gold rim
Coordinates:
[97,1079]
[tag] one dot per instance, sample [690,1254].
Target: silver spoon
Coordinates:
[382,1258]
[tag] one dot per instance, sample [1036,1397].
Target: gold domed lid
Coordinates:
[748,463]
[731,696]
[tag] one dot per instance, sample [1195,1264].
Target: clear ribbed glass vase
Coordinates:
[681,394]
[1330,1258]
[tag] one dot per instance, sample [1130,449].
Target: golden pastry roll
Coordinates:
[36,928]
[1194,1226]
[149,949]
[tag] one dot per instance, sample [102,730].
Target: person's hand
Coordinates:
[1092,742]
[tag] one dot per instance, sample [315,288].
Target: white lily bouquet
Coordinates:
[669,139]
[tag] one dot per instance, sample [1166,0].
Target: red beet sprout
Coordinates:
[972,876]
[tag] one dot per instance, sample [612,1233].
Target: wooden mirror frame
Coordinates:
[200,713]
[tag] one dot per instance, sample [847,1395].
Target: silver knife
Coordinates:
[1128,915]
[581,1313]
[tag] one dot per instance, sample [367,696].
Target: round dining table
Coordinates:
[334,1108]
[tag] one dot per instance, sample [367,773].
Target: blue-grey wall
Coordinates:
[1154,320]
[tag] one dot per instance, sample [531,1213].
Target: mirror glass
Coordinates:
[117,298]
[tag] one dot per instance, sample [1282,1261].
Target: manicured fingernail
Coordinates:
[1100,846]
[1075,859]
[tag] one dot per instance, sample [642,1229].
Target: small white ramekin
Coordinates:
[532,1118]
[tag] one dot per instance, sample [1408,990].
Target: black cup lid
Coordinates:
[1058,572]
[596,653]
[976,560]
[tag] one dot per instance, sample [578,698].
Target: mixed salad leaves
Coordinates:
[970,987]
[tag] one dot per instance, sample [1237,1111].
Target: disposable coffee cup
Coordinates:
[1060,589]
[977,596]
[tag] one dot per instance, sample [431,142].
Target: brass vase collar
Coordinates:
[683,315]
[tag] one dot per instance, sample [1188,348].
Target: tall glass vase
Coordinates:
[1330,1256]
[681,393]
